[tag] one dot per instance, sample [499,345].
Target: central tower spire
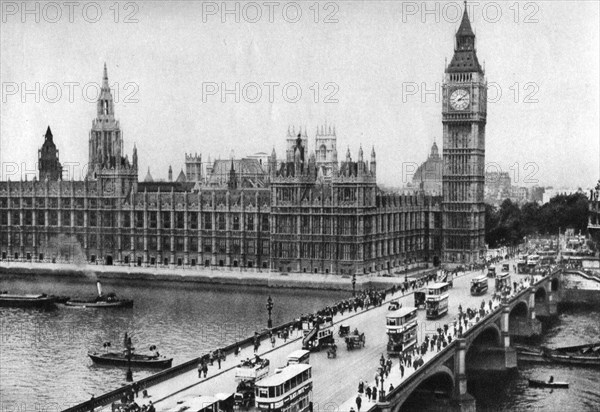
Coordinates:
[465,56]
[105,108]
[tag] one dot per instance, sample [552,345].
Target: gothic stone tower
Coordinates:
[464,118]
[114,173]
[326,151]
[49,165]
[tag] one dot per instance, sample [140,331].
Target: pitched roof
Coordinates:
[181,178]
[465,26]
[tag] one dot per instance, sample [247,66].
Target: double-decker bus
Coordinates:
[502,281]
[436,303]
[401,328]
[522,264]
[479,285]
[288,390]
[533,260]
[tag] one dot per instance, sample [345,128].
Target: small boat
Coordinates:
[138,360]
[27,301]
[109,300]
[535,383]
[128,357]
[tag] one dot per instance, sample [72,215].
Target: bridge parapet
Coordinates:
[453,358]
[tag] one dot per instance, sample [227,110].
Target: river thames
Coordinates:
[44,363]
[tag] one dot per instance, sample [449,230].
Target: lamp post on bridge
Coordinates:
[129,374]
[354,285]
[269,309]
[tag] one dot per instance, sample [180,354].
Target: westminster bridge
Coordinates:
[484,346]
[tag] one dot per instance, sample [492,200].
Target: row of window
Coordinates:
[349,224]
[164,220]
[55,202]
[346,251]
[178,243]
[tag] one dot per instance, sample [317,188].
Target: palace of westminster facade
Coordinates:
[307,212]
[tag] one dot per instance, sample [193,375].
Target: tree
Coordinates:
[510,223]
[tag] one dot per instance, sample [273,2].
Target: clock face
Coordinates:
[460,99]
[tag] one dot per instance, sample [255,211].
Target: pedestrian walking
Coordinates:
[273,341]
[200,369]
[358,403]
[374,393]
[401,371]
[205,369]
[361,387]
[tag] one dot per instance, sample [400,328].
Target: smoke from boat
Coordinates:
[63,248]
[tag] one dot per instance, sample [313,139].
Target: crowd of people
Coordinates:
[412,359]
[130,401]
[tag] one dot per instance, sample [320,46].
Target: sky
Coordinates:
[371,69]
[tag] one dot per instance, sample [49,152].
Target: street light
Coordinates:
[269,309]
[129,375]
[354,285]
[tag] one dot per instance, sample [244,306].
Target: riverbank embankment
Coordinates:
[216,276]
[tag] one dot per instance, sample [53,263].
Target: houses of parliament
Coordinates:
[307,211]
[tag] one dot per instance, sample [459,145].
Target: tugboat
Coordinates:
[40,300]
[128,357]
[109,300]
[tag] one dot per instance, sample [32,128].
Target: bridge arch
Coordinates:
[540,295]
[490,335]
[439,384]
[520,310]
[554,285]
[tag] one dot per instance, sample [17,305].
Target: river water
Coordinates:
[44,366]
[575,326]
[43,357]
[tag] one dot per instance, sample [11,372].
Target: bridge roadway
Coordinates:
[335,381]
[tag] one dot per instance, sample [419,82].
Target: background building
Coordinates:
[302,214]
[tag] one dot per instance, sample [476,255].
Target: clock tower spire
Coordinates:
[464,112]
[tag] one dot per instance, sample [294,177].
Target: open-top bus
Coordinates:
[436,303]
[401,328]
[288,390]
[479,285]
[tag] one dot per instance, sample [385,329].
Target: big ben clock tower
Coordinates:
[463,118]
